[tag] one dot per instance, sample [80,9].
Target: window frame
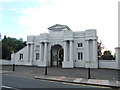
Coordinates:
[80,56]
[37,56]
[80,44]
[21,56]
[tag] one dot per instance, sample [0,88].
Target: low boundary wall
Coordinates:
[110,64]
[5,62]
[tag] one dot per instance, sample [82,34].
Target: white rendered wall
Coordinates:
[16,59]
[110,64]
[5,62]
[79,63]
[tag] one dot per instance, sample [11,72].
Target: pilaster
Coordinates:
[31,52]
[68,63]
[118,57]
[41,52]
[45,53]
[87,50]
[95,54]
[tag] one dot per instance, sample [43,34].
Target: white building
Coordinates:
[60,47]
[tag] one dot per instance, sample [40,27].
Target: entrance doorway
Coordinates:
[56,55]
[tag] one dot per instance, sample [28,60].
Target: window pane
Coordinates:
[80,44]
[78,56]
[21,56]
[37,56]
[81,56]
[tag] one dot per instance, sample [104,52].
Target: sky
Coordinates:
[20,18]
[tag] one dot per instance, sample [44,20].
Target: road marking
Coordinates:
[87,85]
[77,80]
[105,82]
[72,84]
[6,87]
[9,87]
[94,81]
[118,82]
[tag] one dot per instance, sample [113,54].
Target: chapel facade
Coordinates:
[61,47]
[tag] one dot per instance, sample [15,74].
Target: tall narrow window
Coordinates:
[80,56]
[21,56]
[37,56]
[80,44]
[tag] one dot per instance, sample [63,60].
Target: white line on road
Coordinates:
[9,87]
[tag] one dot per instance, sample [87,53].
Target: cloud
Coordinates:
[77,14]
[7,1]
[65,12]
[14,10]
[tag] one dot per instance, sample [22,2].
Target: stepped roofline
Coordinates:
[58,27]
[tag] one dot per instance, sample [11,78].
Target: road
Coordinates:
[20,82]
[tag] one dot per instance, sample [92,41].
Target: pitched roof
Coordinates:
[58,27]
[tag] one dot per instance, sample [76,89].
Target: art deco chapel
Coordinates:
[61,47]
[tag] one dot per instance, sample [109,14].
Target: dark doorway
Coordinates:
[56,55]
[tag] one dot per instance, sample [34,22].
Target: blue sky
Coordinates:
[20,18]
[9,24]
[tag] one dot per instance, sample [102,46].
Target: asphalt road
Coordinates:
[19,83]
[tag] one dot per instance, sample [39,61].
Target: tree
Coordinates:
[11,44]
[100,48]
[107,55]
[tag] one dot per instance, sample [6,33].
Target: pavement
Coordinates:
[3,72]
[79,80]
[100,77]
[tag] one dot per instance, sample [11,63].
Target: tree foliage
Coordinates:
[100,48]
[11,44]
[107,55]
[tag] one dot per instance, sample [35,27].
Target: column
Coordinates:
[95,53]
[31,52]
[87,50]
[118,56]
[45,53]
[28,52]
[71,50]
[41,52]
[65,51]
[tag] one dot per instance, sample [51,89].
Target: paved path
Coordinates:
[75,72]
[3,72]
[108,83]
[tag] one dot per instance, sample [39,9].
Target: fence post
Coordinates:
[45,70]
[89,73]
[13,67]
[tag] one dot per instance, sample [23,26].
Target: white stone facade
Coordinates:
[60,47]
